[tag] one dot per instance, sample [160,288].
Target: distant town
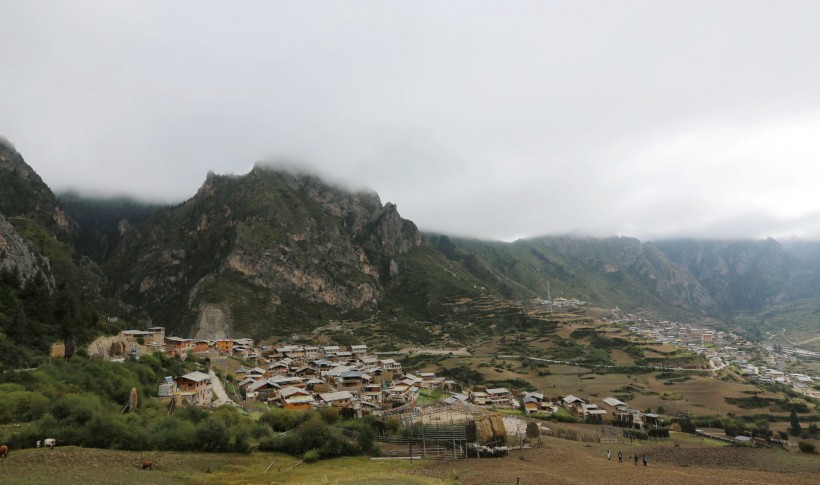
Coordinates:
[767,364]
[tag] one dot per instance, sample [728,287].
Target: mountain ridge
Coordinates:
[274,252]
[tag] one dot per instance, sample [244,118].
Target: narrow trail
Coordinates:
[221,396]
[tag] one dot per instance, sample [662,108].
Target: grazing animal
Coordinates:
[39,443]
[4,451]
[50,443]
[149,464]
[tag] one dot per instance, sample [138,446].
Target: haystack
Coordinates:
[57,350]
[533,430]
[487,429]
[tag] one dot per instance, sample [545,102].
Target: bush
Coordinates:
[282,419]
[212,435]
[311,456]
[330,415]
[806,447]
[312,434]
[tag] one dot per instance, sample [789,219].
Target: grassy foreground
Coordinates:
[94,466]
[683,460]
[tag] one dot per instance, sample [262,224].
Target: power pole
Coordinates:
[423,440]
[549,299]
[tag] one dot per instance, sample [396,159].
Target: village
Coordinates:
[353,380]
[761,363]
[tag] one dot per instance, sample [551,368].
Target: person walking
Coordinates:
[645,460]
[608,455]
[636,459]
[620,457]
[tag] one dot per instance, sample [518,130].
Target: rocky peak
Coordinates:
[395,236]
[24,194]
[17,254]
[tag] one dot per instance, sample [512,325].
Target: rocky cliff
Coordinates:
[262,254]
[747,275]
[17,254]
[24,194]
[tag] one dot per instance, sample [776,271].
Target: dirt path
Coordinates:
[221,396]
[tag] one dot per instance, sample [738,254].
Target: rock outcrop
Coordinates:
[16,254]
[266,249]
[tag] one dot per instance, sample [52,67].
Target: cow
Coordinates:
[149,464]
[4,451]
[50,443]
[39,443]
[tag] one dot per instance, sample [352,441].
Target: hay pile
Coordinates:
[57,350]
[533,430]
[487,429]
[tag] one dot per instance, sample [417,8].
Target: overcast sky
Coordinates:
[489,119]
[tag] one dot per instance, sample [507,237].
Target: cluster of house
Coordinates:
[301,377]
[155,340]
[799,382]
[726,348]
[561,302]
[695,338]
[294,377]
[610,410]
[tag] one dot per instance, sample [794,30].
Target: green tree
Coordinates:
[795,428]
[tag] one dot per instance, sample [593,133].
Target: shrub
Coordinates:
[212,435]
[329,415]
[311,456]
[392,424]
[312,434]
[806,447]
[282,419]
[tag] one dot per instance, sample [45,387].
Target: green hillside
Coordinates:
[607,272]
[793,324]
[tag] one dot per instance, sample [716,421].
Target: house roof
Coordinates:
[290,391]
[613,402]
[571,399]
[498,390]
[335,396]
[137,332]
[285,379]
[196,376]
[260,384]
[246,381]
